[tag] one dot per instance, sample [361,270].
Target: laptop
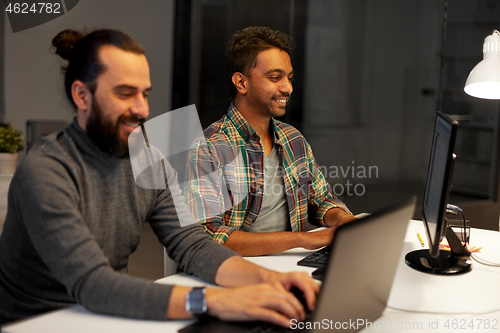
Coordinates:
[358,277]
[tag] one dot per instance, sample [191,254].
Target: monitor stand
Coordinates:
[456,261]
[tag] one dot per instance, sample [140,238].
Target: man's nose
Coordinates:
[140,107]
[286,87]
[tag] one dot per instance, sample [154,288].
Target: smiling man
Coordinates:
[283,185]
[125,85]
[75,214]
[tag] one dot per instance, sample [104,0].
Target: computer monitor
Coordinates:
[434,207]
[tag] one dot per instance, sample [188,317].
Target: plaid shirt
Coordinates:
[224,189]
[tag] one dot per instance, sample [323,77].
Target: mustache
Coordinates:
[132,119]
[286,95]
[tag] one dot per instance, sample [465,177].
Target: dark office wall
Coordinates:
[33,86]
[367,64]
[368,67]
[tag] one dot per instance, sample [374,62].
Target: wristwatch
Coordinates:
[196,304]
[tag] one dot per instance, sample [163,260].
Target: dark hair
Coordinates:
[82,52]
[245,46]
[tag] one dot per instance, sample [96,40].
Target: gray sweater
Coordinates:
[74,217]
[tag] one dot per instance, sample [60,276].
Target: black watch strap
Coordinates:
[196,304]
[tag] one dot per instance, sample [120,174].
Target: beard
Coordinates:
[105,133]
[265,105]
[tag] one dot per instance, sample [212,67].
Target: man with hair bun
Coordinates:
[285,185]
[75,213]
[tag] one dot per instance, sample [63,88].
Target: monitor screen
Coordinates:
[439,180]
[434,207]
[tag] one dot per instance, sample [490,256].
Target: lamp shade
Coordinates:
[484,79]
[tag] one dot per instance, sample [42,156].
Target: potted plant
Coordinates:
[11,143]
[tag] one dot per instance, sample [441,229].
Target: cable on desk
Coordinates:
[464,229]
[484,262]
[455,210]
[442,313]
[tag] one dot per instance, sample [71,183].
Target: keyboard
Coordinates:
[316,259]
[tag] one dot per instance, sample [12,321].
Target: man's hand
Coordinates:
[271,301]
[265,301]
[315,240]
[255,293]
[299,280]
[336,217]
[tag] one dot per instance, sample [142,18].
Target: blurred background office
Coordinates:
[369,77]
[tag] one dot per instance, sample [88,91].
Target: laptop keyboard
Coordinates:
[316,259]
[214,325]
[268,329]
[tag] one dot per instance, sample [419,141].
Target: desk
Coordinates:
[418,302]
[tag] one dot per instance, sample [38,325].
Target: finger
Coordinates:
[307,285]
[310,295]
[299,310]
[288,304]
[268,303]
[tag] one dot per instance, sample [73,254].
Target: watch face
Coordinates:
[195,301]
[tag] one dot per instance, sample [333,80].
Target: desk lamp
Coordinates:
[484,82]
[484,79]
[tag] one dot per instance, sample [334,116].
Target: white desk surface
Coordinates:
[418,303]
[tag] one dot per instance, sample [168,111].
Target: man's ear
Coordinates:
[81,95]
[240,82]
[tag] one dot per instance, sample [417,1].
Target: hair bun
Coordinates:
[64,42]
